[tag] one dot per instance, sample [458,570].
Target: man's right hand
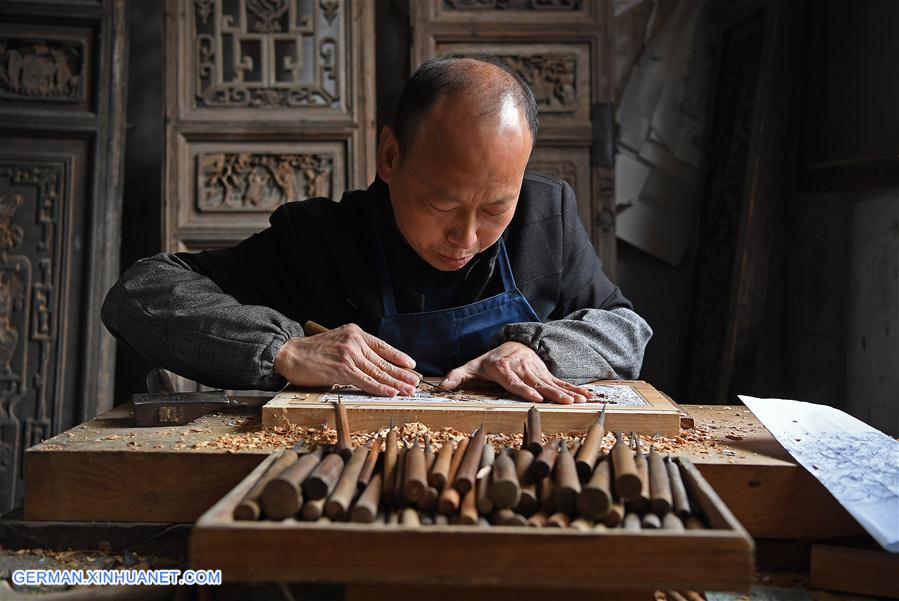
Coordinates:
[347,355]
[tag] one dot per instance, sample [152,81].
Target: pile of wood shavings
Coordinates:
[96,559]
[257,438]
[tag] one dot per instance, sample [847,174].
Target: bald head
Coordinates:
[487,87]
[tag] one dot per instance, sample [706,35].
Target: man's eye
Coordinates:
[496,212]
[439,207]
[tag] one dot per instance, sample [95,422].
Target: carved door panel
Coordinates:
[61,124]
[266,102]
[562,48]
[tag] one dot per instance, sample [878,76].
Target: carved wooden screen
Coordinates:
[267,101]
[563,50]
[61,135]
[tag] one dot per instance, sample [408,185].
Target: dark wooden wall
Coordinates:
[62,78]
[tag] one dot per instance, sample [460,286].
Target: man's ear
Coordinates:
[388,154]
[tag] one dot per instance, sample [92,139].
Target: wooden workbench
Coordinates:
[107,470]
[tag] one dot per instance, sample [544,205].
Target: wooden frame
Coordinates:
[306,408]
[714,559]
[342,131]
[63,131]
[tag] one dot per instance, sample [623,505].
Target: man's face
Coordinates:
[455,188]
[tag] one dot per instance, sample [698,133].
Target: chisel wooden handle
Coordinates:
[672,522]
[631,522]
[340,500]
[533,440]
[248,508]
[538,520]
[282,497]
[324,477]
[627,480]
[651,522]
[468,512]
[507,517]
[679,498]
[659,486]
[640,503]
[528,502]
[614,515]
[547,496]
[415,475]
[342,425]
[545,462]
[596,495]
[313,510]
[558,520]
[399,494]
[471,463]
[590,451]
[505,489]
[368,468]
[440,472]
[568,487]
[389,468]
[448,502]
[366,508]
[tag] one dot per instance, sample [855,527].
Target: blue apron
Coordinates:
[443,340]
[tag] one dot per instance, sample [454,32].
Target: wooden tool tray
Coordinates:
[716,558]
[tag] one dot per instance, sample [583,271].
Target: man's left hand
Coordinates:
[518,369]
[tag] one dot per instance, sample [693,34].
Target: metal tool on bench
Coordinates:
[162,406]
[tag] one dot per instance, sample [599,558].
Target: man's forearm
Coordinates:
[182,321]
[589,344]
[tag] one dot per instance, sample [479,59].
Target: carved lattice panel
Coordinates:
[62,130]
[269,101]
[563,49]
[268,54]
[36,257]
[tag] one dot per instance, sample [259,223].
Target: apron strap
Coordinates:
[505,268]
[384,281]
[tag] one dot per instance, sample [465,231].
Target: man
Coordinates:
[454,261]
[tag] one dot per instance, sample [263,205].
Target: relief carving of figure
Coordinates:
[10,233]
[37,70]
[9,337]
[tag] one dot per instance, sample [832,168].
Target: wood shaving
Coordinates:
[251,436]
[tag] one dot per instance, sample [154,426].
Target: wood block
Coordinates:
[314,407]
[850,570]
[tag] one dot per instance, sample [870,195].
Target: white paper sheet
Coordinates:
[858,464]
[618,395]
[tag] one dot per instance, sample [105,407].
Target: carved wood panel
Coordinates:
[235,186]
[267,102]
[61,121]
[46,66]
[558,75]
[563,49]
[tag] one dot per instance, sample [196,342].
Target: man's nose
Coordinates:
[464,232]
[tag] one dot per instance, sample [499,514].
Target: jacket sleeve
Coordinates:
[593,333]
[201,315]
